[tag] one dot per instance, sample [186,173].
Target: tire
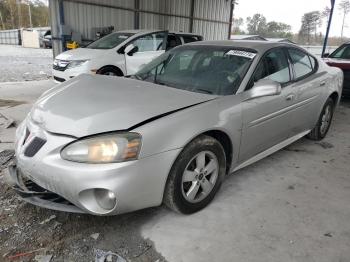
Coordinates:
[324,121]
[190,191]
[111,71]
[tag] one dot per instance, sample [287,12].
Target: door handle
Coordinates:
[290,97]
[323,83]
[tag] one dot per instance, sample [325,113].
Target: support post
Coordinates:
[232,6]
[192,16]
[328,28]
[30,15]
[137,15]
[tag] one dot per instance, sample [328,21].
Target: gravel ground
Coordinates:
[24,64]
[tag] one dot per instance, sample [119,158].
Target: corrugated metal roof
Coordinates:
[174,15]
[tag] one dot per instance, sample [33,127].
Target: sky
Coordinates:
[291,11]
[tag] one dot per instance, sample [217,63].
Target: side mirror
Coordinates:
[325,55]
[264,87]
[131,49]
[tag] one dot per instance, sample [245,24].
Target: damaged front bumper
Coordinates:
[43,178]
[34,194]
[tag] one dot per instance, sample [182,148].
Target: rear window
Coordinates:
[191,38]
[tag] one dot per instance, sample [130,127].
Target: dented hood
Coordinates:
[88,104]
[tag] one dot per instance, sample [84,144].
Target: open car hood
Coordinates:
[89,104]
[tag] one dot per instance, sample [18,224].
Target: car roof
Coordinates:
[259,46]
[146,31]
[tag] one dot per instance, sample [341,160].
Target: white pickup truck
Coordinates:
[120,53]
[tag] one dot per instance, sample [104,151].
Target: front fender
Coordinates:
[175,131]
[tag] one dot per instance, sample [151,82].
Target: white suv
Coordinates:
[121,53]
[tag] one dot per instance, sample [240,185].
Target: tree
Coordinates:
[309,23]
[344,6]
[15,13]
[325,14]
[237,23]
[278,29]
[256,24]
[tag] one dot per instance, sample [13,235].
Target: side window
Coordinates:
[152,42]
[172,41]
[301,63]
[273,66]
[189,38]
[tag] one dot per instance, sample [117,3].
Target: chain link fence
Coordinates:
[11,37]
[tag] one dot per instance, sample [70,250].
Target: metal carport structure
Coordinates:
[210,18]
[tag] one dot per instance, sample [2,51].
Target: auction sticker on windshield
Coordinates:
[246,54]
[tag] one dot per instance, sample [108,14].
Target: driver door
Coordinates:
[149,46]
[266,120]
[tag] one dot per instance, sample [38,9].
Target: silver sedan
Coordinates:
[171,132]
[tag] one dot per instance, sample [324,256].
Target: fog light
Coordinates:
[105,198]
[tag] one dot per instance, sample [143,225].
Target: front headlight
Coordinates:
[76,63]
[107,148]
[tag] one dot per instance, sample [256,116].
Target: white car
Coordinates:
[120,53]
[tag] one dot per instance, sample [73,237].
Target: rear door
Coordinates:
[266,120]
[309,85]
[149,47]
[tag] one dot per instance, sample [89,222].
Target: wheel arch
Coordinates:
[222,137]
[225,142]
[116,68]
[335,97]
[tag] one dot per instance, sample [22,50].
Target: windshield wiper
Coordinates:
[159,83]
[204,91]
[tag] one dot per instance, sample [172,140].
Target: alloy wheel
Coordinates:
[326,119]
[200,176]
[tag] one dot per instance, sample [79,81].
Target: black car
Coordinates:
[46,39]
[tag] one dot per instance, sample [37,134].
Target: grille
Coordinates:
[44,193]
[59,79]
[59,68]
[34,146]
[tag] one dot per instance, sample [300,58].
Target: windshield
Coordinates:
[342,52]
[202,69]
[110,41]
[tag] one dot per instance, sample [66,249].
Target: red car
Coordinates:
[341,58]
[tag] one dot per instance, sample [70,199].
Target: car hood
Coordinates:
[81,54]
[89,104]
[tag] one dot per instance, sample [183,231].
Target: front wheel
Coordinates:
[196,175]
[324,121]
[109,71]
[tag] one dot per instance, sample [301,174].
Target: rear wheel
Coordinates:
[324,121]
[196,176]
